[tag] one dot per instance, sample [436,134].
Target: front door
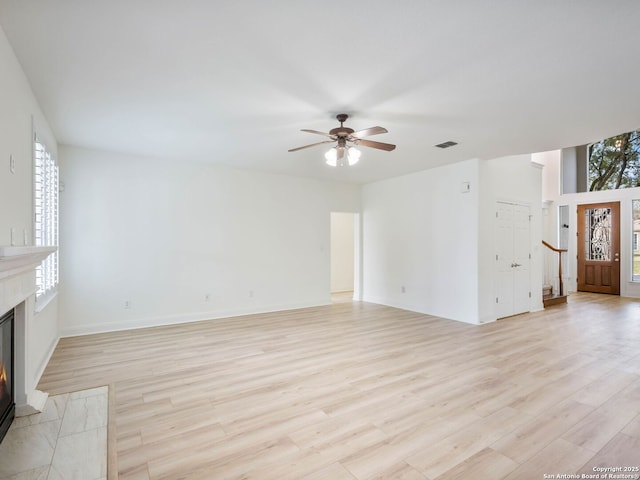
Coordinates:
[599,248]
[513,294]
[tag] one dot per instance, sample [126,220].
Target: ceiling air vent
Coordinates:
[446,144]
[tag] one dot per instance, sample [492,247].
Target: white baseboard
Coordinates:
[414,308]
[175,319]
[45,362]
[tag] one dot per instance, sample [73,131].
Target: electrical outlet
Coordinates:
[127,304]
[207,297]
[403,289]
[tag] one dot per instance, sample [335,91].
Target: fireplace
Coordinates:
[7,400]
[19,396]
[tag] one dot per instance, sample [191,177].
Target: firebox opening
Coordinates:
[7,399]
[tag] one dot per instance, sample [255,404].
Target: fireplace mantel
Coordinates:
[17,288]
[16,259]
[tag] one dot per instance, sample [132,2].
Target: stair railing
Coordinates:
[559,251]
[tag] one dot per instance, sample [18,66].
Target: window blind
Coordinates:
[46,216]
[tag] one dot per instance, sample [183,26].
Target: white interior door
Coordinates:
[513,247]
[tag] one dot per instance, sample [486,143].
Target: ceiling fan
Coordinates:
[346,136]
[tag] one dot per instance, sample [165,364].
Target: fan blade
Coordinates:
[319,133]
[379,145]
[312,145]
[369,131]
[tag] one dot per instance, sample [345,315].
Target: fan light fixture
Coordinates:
[345,136]
[353,156]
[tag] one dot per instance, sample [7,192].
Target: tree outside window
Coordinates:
[615,162]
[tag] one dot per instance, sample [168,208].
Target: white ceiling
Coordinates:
[232,82]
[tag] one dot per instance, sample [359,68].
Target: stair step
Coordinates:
[549,300]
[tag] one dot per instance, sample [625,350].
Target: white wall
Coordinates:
[574,176]
[420,232]
[569,163]
[163,236]
[19,115]
[41,333]
[551,193]
[342,251]
[513,179]
[552,178]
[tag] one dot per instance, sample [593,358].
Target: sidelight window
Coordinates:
[46,217]
[635,254]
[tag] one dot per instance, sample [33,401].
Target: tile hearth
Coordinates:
[68,440]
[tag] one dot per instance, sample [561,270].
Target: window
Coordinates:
[46,217]
[615,162]
[635,204]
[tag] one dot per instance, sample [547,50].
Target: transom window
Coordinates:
[615,162]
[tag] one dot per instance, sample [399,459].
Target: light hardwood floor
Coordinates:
[362,391]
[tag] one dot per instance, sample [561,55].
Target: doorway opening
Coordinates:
[345,256]
[563,241]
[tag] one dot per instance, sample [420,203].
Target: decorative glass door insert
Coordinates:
[598,235]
